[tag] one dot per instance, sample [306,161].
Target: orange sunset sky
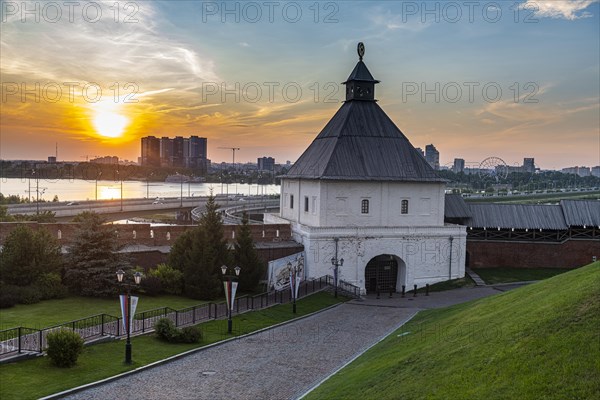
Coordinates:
[162,67]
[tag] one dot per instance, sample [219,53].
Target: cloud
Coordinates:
[392,22]
[565,9]
[244,44]
[106,51]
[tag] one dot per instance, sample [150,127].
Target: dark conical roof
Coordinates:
[361,142]
[361,73]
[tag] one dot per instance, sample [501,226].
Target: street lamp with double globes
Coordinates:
[137,277]
[230,289]
[336,263]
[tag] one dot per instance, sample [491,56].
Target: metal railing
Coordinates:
[30,340]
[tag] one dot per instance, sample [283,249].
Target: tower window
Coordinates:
[364,206]
[404,207]
[305,203]
[291,201]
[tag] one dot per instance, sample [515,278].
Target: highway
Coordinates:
[114,209]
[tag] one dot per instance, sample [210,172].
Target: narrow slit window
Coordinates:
[305,203]
[404,207]
[364,206]
[291,201]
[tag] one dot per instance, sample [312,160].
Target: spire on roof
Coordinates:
[360,85]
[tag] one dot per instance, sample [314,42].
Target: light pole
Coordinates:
[336,264]
[121,179]
[230,286]
[148,185]
[181,194]
[137,277]
[97,177]
[294,269]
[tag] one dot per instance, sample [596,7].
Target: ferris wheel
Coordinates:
[494,168]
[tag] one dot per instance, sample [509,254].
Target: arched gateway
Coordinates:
[384,273]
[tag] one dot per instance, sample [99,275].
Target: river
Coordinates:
[80,190]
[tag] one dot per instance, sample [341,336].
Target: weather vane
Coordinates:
[361,50]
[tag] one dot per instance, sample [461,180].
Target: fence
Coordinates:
[21,339]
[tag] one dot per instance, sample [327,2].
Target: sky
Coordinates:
[477,79]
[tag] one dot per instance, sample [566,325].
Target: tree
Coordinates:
[27,255]
[246,257]
[93,258]
[199,254]
[4,215]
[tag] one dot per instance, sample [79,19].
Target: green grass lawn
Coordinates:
[36,378]
[504,275]
[52,312]
[536,342]
[448,285]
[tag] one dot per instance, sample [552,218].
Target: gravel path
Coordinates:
[279,363]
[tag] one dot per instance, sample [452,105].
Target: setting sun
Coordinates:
[109,123]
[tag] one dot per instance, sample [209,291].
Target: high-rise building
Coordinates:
[266,164]
[178,152]
[420,150]
[459,165]
[166,151]
[596,171]
[432,156]
[529,165]
[197,152]
[181,152]
[151,151]
[581,171]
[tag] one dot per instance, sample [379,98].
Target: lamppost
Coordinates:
[336,264]
[148,185]
[294,282]
[137,277]
[121,179]
[230,286]
[97,177]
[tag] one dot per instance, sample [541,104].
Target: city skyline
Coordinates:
[538,62]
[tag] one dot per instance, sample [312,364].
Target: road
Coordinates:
[129,207]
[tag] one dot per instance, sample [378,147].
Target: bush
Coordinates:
[151,285]
[166,330]
[29,295]
[64,347]
[8,299]
[50,287]
[190,334]
[170,278]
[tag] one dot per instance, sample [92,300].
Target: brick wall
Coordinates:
[571,254]
[144,234]
[149,259]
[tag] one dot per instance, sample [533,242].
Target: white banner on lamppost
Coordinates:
[294,284]
[230,289]
[127,318]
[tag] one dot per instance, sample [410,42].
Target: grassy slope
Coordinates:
[35,378]
[51,312]
[538,342]
[499,275]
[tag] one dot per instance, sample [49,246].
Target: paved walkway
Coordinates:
[476,278]
[282,362]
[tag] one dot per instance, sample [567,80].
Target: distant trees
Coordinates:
[93,258]
[44,216]
[245,256]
